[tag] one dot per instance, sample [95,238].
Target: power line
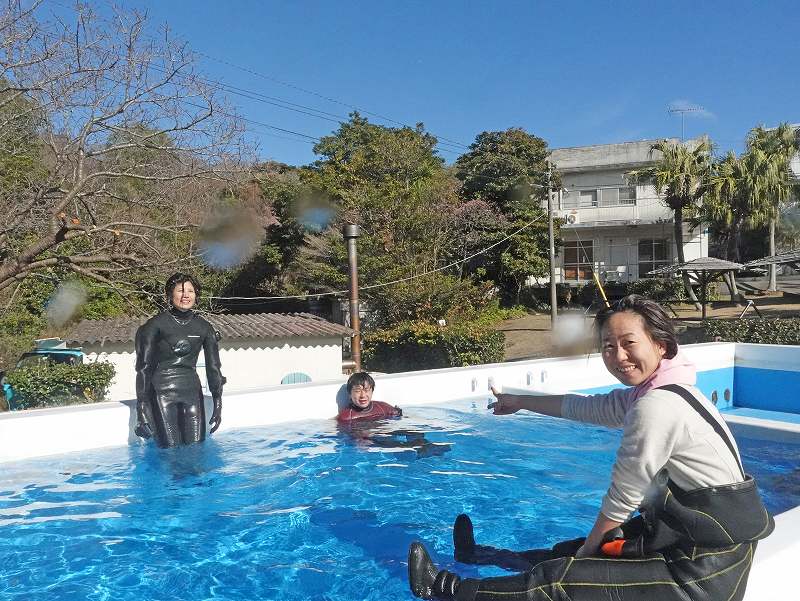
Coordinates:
[441,141]
[277,102]
[383,284]
[318,95]
[263,98]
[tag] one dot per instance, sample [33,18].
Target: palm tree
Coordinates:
[682,176]
[780,145]
[727,199]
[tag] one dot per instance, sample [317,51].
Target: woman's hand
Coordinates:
[143,428]
[214,422]
[603,529]
[586,551]
[216,416]
[506,404]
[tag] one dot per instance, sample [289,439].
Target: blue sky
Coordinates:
[574,73]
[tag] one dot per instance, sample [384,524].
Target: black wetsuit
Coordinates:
[686,546]
[168,389]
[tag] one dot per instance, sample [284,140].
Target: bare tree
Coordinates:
[121,126]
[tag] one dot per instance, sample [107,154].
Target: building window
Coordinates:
[604,197]
[588,199]
[570,199]
[627,195]
[612,197]
[578,260]
[653,253]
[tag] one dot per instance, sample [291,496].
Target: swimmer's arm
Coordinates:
[511,403]
[602,525]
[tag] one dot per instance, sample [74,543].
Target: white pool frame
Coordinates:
[43,432]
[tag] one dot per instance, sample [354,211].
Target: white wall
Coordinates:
[41,432]
[695,242]
[248,367]
[626,246]
[614,222]
[247,364]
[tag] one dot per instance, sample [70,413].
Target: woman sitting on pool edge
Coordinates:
[360,387]
[677,462]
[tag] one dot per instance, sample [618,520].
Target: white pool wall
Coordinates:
[42,432]
[773,575]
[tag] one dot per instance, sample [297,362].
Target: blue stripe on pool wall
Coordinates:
[719,386]
[769,389]
[713,383]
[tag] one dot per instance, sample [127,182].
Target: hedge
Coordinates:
[54,385]
[413,346]
[761,331]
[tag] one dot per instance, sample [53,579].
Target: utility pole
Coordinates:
[350,232]
[552,249]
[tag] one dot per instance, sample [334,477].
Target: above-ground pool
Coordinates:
[308,511]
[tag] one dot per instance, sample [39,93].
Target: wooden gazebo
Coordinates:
[704,270]
[790,258]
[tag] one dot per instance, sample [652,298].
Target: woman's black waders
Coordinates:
[686,546]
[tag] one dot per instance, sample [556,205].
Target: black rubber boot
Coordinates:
[425,580]
[463,539]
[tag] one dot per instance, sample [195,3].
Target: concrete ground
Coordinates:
[530,337]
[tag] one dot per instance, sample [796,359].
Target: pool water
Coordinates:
[308,511]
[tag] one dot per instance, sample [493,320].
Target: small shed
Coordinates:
[256,350]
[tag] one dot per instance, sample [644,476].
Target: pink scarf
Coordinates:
[678,370]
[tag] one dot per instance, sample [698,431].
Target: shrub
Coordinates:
[413,346]
[428,299]
[761,331]
[658,289]
[538,297]
[53,385]
[494,313]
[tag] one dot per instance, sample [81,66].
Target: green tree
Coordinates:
[681,173]
[390,182]
[103,102]
[523,256]
[780,145]
[504,168]
[508,171]
[730,202]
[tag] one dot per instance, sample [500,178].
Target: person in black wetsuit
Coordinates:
[700,514]
[169,397]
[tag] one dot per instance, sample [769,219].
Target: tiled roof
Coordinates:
[255,325]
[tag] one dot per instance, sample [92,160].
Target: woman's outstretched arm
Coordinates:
[511,403]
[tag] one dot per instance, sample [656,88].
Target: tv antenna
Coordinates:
[682,110]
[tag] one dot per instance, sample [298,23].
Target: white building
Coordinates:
[257,350]
[615,228]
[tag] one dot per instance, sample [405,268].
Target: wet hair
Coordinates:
[656,322]
[360,378]
[177,279]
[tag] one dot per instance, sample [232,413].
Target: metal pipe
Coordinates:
[350,233]
[551,250]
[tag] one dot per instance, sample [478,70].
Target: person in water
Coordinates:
[169,397]
[360,387]
[359,417]
[700,515]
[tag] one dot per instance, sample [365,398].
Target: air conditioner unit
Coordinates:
[572,218]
